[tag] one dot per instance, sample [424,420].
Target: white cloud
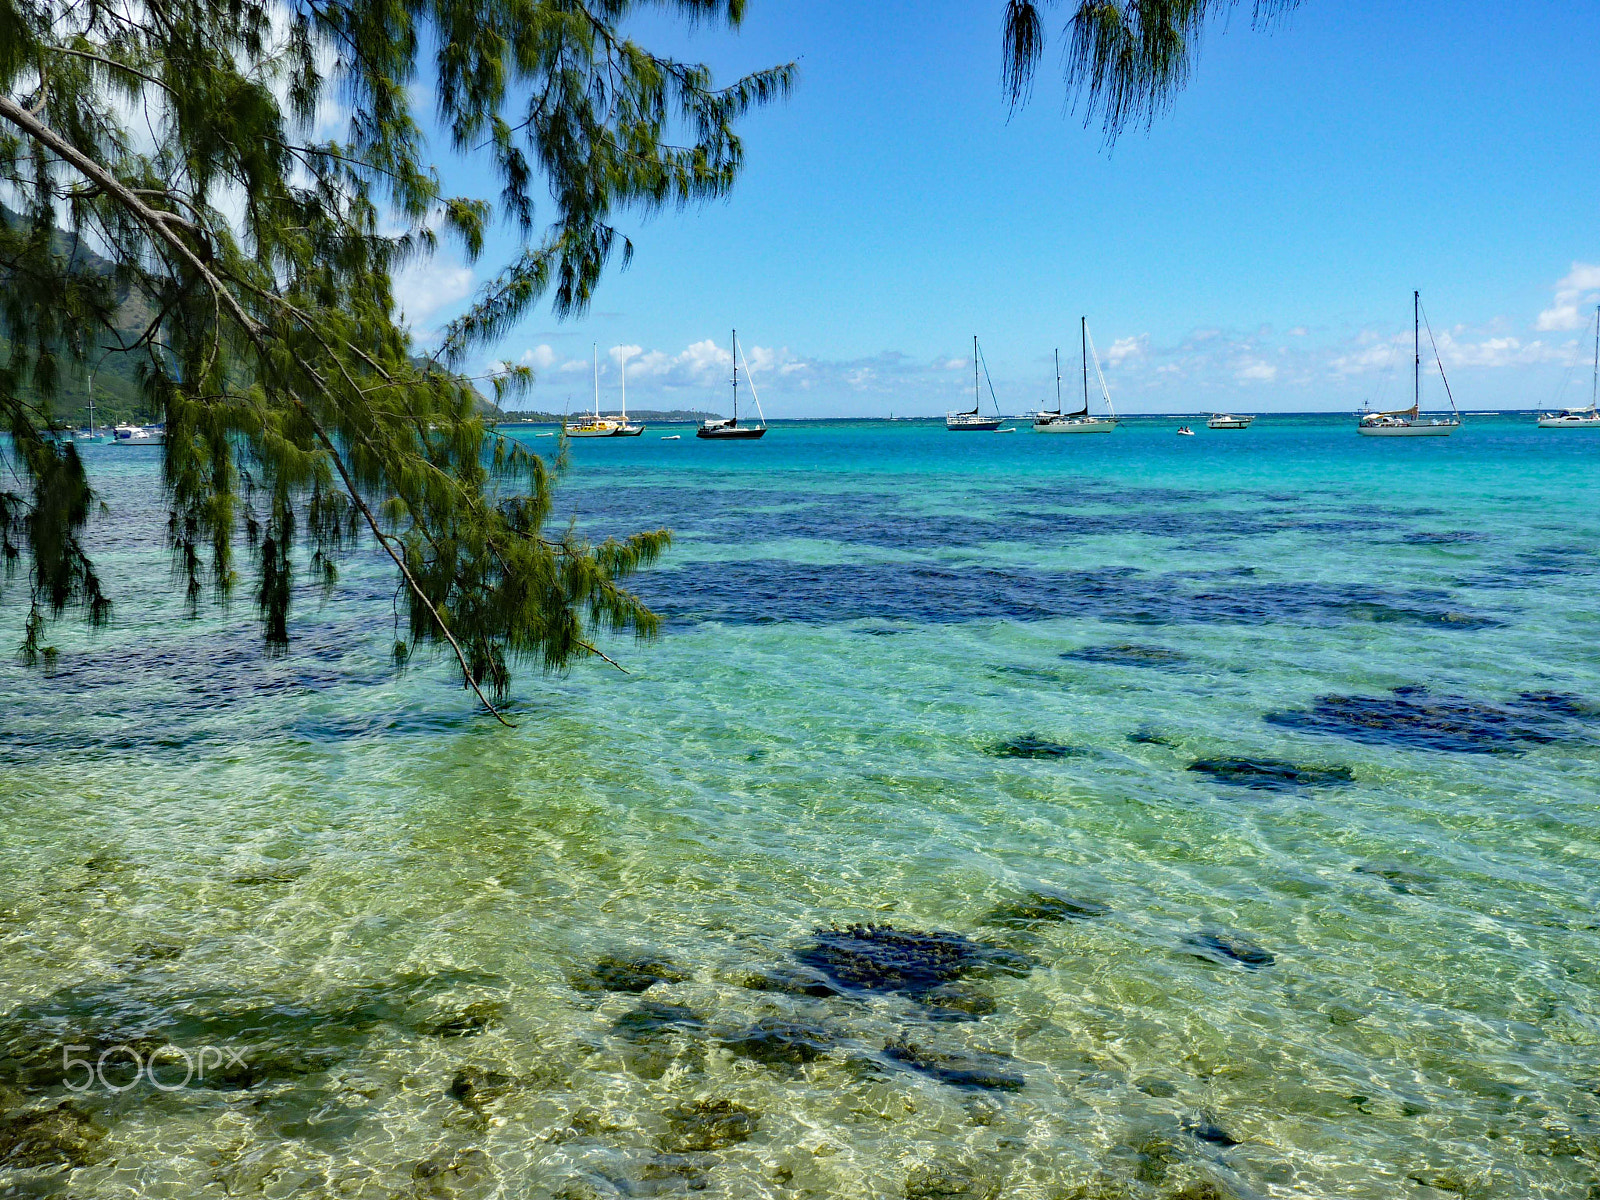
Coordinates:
[428,285]
[1298,331]
[540,358]
[1254,370]
[1563,311]
[1125,348]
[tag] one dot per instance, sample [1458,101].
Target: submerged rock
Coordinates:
[474,1085]
[651,1022]
[1205,1131]
[788,979]
[933,1181]
[462,1167]
[1038,908]
[959,1002]
[1129,654]
[1145,737]
[1269,774]
[60,1136]
[1031,745]
[1229,948]
[612,974]
[881,958]
[970,1069]
[470,1021]
[1401,879]
[774,1040]
[708,1125]
[1412,717]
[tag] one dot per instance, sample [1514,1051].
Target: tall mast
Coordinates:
[1594,392]
[1416,352]
[1058,382]
[624,362]
[597,381]
[1083,338]
[976,403]
[735,376]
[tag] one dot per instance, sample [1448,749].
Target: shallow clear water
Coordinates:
[368,892]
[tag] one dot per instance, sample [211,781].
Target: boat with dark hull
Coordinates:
[972,420]
[728,429]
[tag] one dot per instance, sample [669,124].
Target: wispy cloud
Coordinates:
[1579,286]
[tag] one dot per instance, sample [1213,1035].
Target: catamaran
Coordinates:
[971,420]
[728,428]
[1080,421]
[592,426]
[1409,422]
[1580,418]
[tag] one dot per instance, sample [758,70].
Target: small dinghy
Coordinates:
[671,437]
[1185,431]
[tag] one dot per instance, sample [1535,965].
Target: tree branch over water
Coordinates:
[1125,60]
[168,178]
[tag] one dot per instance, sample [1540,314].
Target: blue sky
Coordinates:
[1255,250]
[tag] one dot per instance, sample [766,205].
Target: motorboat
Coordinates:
[1229,421]
[972,420]
[1409,422]
[1580,418]
[1056,421]
[139,435]
[728,429]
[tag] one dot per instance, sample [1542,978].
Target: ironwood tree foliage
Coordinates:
[180,139]
[1125,59]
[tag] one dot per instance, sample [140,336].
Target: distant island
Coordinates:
[675,416]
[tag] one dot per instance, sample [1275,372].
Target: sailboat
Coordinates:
[604,426]
[971,420]
[1580,418]
[1080,421]
[1409,422]
[728,428]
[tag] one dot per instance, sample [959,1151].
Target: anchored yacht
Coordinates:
[1409,422]
[1080,421]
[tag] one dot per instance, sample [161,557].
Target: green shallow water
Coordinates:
[366,889]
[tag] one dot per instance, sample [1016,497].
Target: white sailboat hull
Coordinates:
[1422,430]
[1570,421]
[1075,425]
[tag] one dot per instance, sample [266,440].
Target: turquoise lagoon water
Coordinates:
[405,919]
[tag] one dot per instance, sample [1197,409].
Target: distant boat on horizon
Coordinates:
[1228,421]
[1580,418]
[1078,422]
[728,428]
[1408,422]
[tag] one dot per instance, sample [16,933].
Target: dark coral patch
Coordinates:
[1031,745]
[651,1022]
[991,1072]
[1270,774]
[1128,654]
[880,958]
[708,1125]
[1413,717]
[790,980]
[47,1137]
[775,1040]
[610,974]
[1229,948]
[1038,908]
